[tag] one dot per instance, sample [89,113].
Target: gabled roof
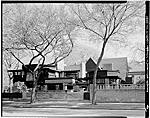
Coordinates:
[91,59]
[90,65]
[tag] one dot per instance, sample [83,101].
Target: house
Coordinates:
[120,64]
[50,77]
[110,71]
[78,72]
[90,65]
[106,76]
[136,74]
[136,77]
[77,67]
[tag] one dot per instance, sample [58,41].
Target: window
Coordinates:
[16,73]
[51,75]
[71,74]
[107,66]
[19,73]
[29,77]
[101,81]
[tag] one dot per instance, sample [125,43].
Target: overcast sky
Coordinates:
[109,50]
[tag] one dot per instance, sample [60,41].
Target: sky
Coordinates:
[109,50]
[126,52]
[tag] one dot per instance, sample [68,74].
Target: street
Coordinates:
[57,112]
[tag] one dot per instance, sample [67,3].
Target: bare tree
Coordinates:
[38,31]
[139,53]
[107,23]
[9,63]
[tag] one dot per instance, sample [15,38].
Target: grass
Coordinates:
[112,106]
[73,104]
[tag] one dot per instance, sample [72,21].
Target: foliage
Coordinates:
[6,88]
[19,87]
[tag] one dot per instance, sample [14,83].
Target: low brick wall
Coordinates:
[102,95]
[119,95]
[58,95]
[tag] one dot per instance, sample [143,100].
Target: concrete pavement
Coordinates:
[72,109]
[70,113]
[73,105]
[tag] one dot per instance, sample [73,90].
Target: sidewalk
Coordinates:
[82,104]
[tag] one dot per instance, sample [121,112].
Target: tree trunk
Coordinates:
[95,74]
[35,81]
[94,86]
[33,95]
[33,92]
